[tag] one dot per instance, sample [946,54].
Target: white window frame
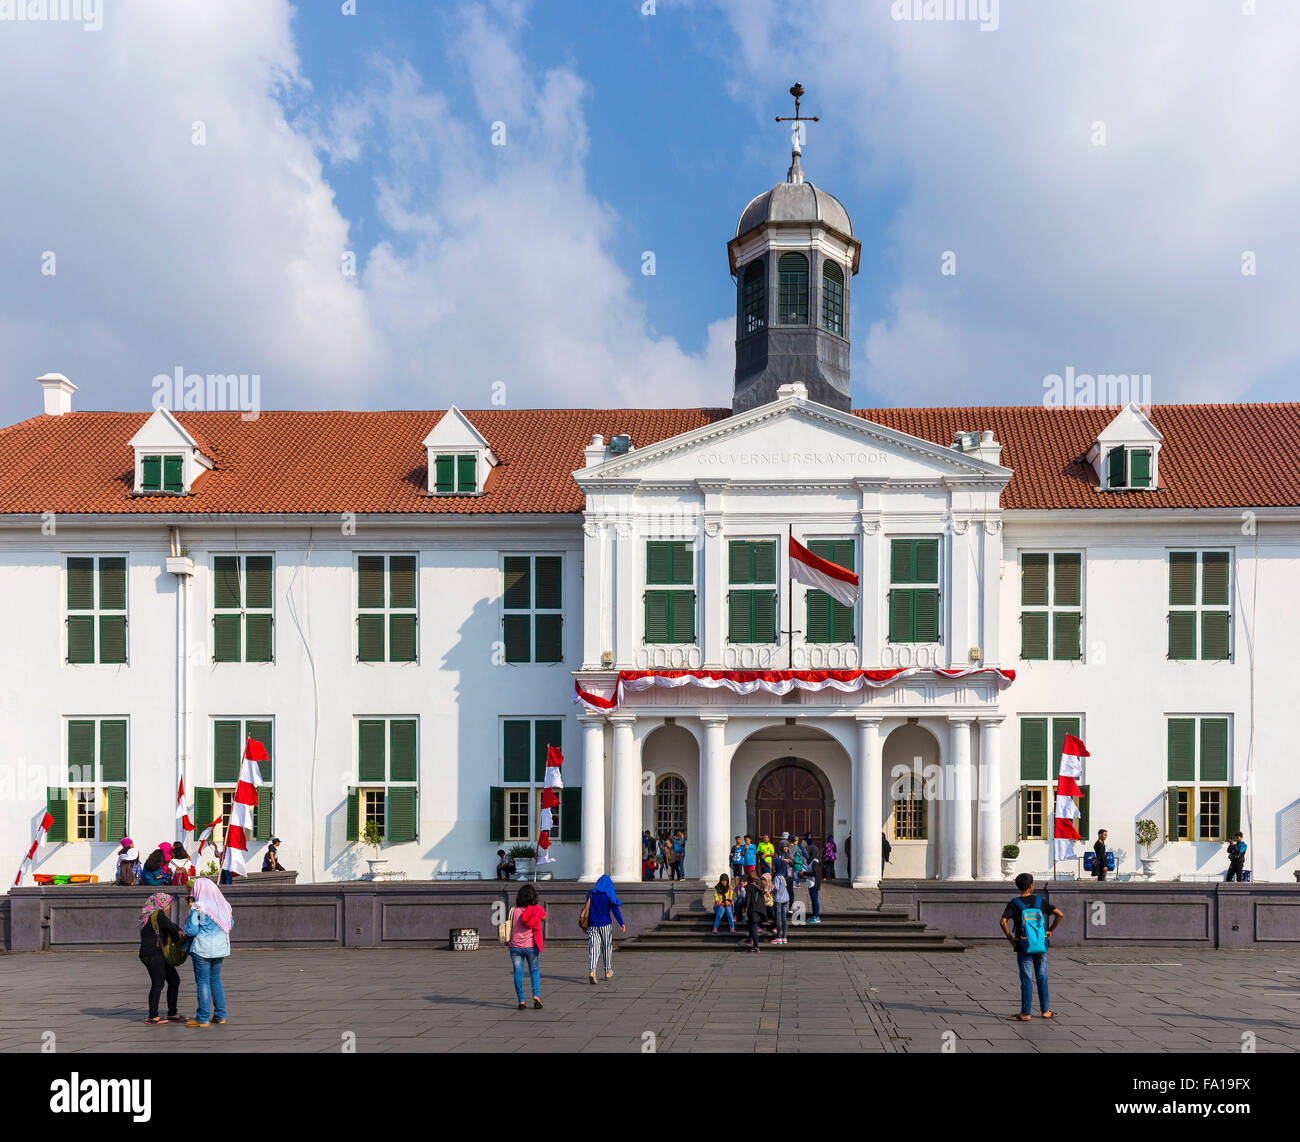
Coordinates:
[243,610]
[535,787]
[532,610]
[1051,609]
[1196,784]
[387,610]
[1200,606]
[96,611]
[96,787]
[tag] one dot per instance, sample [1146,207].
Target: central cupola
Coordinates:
[792,258]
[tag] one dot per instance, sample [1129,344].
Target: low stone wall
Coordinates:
[1115,913]
[354,914]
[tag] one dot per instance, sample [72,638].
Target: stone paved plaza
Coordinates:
[1135,999]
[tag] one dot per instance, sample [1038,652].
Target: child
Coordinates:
[751,856]
[737,860]
[723,899]
[648,865]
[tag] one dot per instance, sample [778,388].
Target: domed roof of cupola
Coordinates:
[795,200]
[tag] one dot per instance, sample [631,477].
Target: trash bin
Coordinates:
[1088,858]
[1110,860]
[463,939]
[1245,874]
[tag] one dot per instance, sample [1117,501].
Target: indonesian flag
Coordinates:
[181,815]
[550,801]
[811,570]
[41,831]
[240,829]
[205,836]
[1066,832]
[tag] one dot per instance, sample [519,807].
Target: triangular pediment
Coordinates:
[1130,426]
[454,431]
[791,440]
[162,430]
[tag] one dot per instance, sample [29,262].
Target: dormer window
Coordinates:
[1128,468]
[1126,454]
[459,456]
[167,458]
[160,474]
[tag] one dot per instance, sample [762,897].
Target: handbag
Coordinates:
[174,952]
[504,929]
[584,917]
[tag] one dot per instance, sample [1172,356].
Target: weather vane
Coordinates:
[796,118]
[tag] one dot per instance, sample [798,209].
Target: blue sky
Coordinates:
[1097,171]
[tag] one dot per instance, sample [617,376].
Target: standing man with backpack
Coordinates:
[1027,923]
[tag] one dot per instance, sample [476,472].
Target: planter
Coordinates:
[1297,876]
[1008,867]
[1149,867]
[524,868]
[377,866]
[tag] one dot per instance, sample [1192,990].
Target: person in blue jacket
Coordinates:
[600,928]
[209,922]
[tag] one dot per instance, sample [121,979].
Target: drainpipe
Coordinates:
[182,566]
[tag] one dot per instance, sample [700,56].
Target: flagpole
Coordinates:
[789,593]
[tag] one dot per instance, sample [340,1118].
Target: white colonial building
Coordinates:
[407,608]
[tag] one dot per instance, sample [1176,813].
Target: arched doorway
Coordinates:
[790,797]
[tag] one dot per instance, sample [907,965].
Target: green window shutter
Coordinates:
[683,616]
[656,616]
[258,641]
[926,607]
[518,630]
[834,621]
[682,557]
[370,581]
[173,474]
[226,637]
[740,562]
[902,621]
[1066,591]
[225,582]
[548,572]
[257,577]
[658,561]
[151,474]
[370,750]
[518,596]
[1061,727]
[112,584]
[515,748]
[545,733]
[444,474]
[354,815]
[763,626]
[264,814]
[401,582]
[1233,815]
[227,752]
[927,560]
[401,750]
[260,731]
[81,638]
[1214,578]
[81,584]
[1141,473]
[571,819]
[1085,813]
[817,616]
[1182,634]
[764,562]
[1034,635]
[1214,634]
[1033,749]
[1022,814]
[466,477]
[1182,578]
[112,752]
[56,804]
[549,638]
[81,752]
[401,638]
[1033,579]
[112,638]
[1066,636]
[1214,749]
[115,816]
[902,561]
[496,813]
[1182,749]
[400,825]
[370,638]
[1171,814]
[841,621]
[203,800]
[740,616]
[1117,468]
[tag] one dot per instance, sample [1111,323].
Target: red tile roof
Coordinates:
[1214,456]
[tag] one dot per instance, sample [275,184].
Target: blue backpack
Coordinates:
[1033,924]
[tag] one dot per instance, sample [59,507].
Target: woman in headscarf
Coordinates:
[209,922]
[754,908]
[723,901]
[829,853]
[129,869]
[155,869]
[154,925]
[600,927]
[526,942]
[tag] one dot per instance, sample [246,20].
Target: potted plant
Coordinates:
[212,871]
[373,836]
[1010,854]
[523,856]
[1148,832]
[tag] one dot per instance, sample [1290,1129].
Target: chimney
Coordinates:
[594,453]
[58,393]
[989,449]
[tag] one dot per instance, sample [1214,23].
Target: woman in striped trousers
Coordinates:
[602,901]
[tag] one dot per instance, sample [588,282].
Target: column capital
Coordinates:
[622,719]
[713,719]
[868,719]
[992,719]
[591,719]
[960,719]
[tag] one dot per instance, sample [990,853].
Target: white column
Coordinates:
[625,852]
[715,788]
[958,800]
[990,803]
[868,780]
[593,798]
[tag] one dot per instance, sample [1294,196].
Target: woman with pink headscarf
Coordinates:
[209,922]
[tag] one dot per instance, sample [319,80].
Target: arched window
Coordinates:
[670,805]
[833,298]
[792,296]
[753,312]
[908,796]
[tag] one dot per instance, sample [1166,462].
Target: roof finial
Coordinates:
[795,173]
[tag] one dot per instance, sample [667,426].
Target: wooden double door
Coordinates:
[790,800]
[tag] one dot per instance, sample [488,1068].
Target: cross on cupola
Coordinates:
[795,173]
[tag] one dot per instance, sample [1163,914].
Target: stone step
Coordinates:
[736,945]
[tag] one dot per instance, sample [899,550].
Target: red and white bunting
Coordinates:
[550,802]
[1066,831]
[776,682]
[838,582]
[240,830]
[42,830]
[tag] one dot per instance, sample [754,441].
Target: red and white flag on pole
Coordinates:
[181,815]
[41,831]
[1066,830]
[550,801]
[838,582]
[240,830]
[205,836]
